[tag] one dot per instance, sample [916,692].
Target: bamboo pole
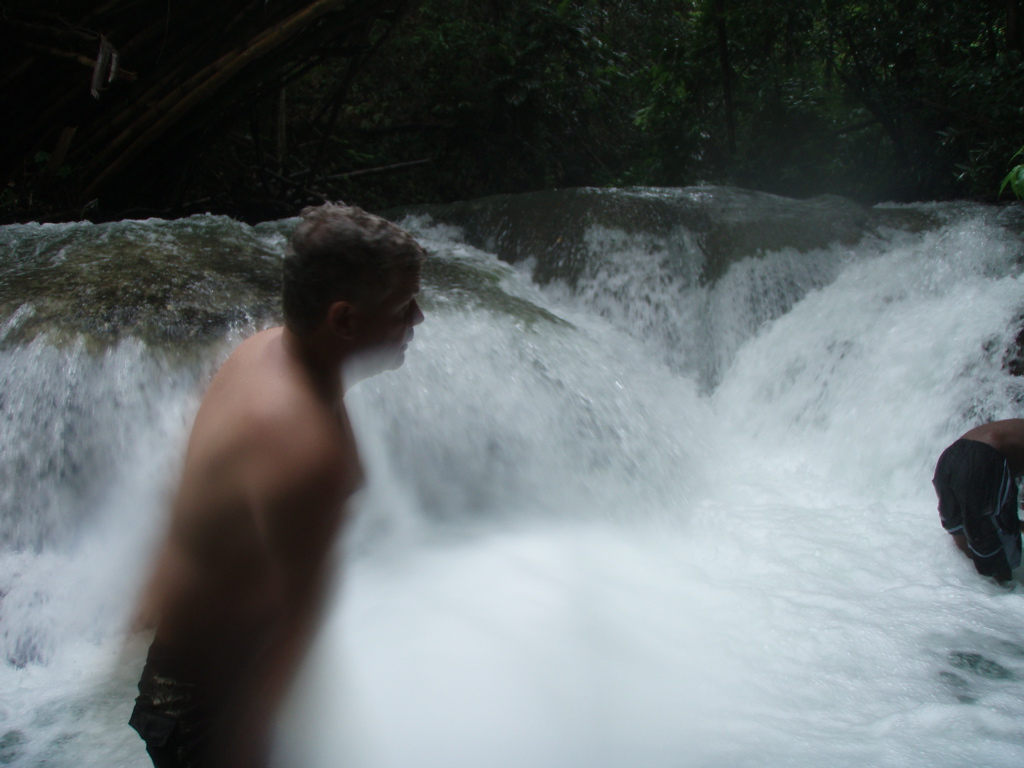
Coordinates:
[62,54]
[378,169]
[170,110]
[282,126]
[207,74]
[173,71]
[48,31]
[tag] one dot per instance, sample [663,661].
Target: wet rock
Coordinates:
[165,282]
[706,227]
[959,687]
[978,665]
[1013,359]
[11,746]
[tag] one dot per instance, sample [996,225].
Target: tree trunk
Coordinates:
[727,77]
[282,127]
[1014,40]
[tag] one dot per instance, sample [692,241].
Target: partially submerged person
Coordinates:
[977,490]
[270,463]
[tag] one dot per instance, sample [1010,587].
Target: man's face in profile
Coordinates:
[385,329]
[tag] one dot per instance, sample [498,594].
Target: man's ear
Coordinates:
[341,319]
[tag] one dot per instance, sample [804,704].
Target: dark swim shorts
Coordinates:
[978,498]
[173,714]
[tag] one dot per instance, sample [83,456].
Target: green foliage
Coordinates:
[1015,178]
[500,96]
[872,99]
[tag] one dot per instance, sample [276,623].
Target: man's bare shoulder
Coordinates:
[1006,436]
[1005,430]
[295,445]
[261,413]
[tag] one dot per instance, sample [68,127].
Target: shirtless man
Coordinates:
[977,490]
[270,463]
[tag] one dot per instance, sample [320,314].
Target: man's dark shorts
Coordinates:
[978,498]
[174,714]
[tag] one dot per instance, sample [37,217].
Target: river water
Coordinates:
[651,490]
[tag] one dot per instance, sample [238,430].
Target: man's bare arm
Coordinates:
[299,523]
[150,603]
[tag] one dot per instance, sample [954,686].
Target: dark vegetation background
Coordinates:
[117,108]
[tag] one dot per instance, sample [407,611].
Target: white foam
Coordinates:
[569,556]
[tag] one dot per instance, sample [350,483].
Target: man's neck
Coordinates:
[320,361]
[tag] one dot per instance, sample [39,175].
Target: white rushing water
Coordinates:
[687,527]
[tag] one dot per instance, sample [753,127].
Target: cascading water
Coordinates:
[652,489]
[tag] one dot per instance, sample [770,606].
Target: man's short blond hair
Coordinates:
[340,252]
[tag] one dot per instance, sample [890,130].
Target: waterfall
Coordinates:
[651,489]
